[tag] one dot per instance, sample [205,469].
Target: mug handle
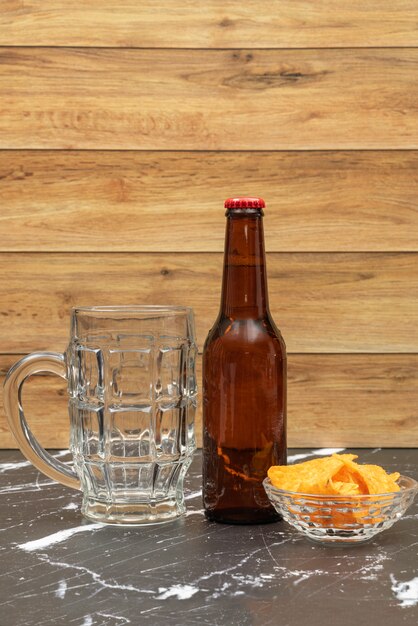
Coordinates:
[54,363]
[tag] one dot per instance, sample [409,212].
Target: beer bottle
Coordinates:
[244,379]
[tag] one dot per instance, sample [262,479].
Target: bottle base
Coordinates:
[243,516]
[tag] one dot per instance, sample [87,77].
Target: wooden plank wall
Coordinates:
[124,126]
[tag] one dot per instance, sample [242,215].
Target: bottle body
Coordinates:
[244,385]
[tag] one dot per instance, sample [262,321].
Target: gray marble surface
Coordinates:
[58,569]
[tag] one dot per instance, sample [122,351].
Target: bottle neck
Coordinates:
[244,285]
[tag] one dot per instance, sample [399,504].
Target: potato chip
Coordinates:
[311,476]
[341,488]
[349,473]
[377,480]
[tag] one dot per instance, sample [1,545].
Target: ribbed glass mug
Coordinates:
[132,400]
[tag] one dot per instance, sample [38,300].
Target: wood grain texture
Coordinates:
[353,400]
[153,201]
[209,24]
[45,405]
[208,99]
[323,302]
[334,400]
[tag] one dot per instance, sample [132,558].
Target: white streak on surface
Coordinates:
[153,608]
[188,513]
[58,537]
[95,576]
[194,494]
[88,621]
[125,619]
[375,565]
[181,592]
[405,592]
[62,588]
[27,487]
[298,457]
[221,590]
[5,467]
[327,451]
[303,575]
[320,452]
[72,506]
[247,579]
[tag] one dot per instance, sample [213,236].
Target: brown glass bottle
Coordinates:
[244,379]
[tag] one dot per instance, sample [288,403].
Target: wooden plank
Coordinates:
[353,400]
[208,99]
[117,201]
[211,24]
[323,302]
[334,400]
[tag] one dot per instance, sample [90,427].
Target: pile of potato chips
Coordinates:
[333,475]
[336,475]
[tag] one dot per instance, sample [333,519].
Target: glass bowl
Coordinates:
[342,519]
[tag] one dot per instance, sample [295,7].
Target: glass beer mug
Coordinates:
[132,400]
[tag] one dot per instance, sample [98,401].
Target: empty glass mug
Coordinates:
[132,400]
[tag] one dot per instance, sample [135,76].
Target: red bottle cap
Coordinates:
[244,203]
